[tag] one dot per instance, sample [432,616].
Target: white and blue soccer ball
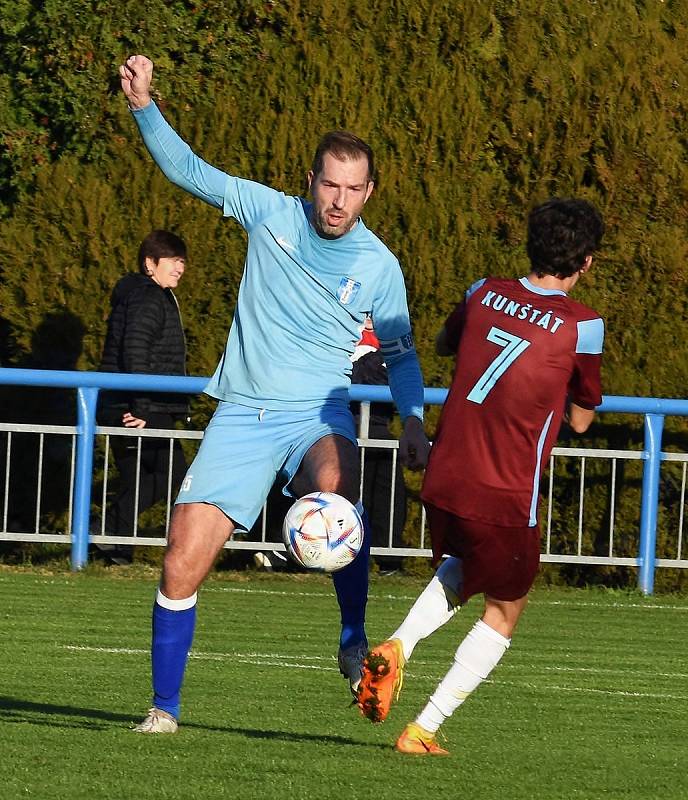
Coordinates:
[323,531]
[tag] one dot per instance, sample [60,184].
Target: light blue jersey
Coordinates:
[302,300]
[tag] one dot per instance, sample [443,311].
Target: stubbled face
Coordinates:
[339,193]
[167,272]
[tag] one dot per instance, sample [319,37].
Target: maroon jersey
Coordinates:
[520,351]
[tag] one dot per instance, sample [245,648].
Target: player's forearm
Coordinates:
[176,159]
[579,418]
[406,384]
[442,347]
[138,100]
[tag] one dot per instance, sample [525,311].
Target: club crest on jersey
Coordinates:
[347,291]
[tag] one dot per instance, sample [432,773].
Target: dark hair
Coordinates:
[562,233]
[343,146]
[160,244]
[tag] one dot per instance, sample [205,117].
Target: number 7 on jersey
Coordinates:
[513,346]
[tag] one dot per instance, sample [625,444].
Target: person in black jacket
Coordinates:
[378,473]
[145,335]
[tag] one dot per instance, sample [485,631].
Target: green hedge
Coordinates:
[476,110]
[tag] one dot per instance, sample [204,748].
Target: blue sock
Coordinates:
[173,632]
[351,585]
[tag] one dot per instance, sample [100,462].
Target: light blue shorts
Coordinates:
[245,449]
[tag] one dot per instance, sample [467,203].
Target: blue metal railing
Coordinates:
[88,384]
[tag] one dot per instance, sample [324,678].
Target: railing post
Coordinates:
[364,420]
[86,400]
[654,424]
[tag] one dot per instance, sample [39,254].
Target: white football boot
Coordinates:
[157,721]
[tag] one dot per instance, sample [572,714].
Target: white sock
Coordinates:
[437,604]
[176,605]
[476,657]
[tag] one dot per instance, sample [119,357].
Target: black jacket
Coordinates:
[144,335]
[370,369]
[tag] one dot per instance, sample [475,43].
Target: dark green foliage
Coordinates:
[60,59]
[477,111]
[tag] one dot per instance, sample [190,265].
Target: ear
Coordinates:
[150,265]
[586,264]
[369,190]
[310,177]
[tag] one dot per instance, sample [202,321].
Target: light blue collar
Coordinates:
[531,287]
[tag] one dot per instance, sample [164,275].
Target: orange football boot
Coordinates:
[383,676]
[416,741]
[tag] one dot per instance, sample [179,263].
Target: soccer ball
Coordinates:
[323,531]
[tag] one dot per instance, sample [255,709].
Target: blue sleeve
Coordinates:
[393,329]
[590,336]
[248,202]
[406,384]
[474,288]
[390,309]
[176,159]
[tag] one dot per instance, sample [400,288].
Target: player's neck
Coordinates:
[550,282]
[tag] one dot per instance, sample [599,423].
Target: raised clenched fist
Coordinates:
[136,75]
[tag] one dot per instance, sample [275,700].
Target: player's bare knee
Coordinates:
[343,477]
[339,483]
[330,465]
[177,581]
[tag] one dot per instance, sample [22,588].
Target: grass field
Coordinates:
[591,701]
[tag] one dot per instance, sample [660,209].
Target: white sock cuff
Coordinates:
[479,653]
[176,605]
[491,633]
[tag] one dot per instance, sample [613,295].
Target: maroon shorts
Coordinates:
[498,561]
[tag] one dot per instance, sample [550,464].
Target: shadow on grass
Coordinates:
[12,709]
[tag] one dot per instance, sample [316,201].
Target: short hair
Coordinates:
[562,233]
[160,244]
[344,146]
